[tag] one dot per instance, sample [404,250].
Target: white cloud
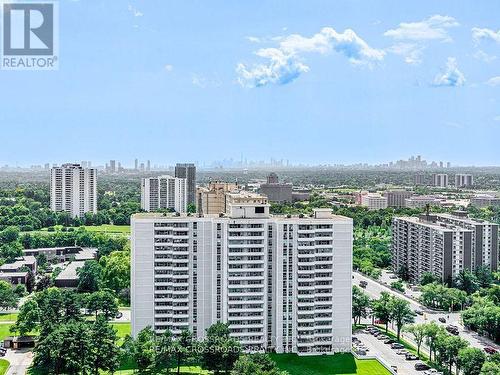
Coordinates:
[479,35]
[483,56]
[432,28]
[452,124]
[494,81]
[496,118]
[284,63]
[135,12]
[411,37]
[169,67]
[411,52]
[253,39]
[451,77]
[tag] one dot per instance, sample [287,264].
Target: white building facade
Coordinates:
[374,201]
[73,189]
[281,283]
[164,193]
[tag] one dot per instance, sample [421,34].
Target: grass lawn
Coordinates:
[8,317]
[123,329]
[4,364]
[121,230]
[328,364]
[4,331]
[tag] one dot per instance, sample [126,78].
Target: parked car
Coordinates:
[419,312]
[382,337]
[393,277]
[421,366]
[394,368]
[397,345]
[442,320]
[402,352]
[490,350]
[432,371]
[363,283]
[411,357]
[389,341]
[452,329]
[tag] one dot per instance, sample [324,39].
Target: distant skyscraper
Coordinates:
[148,165]
[136,164]
[419,179]
[112,166]
[73,189]
[164,192]
[188,171]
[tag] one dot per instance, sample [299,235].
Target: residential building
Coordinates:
[73,189]
[164,193]
[485,200]
[17,272]
[440,179]
[275,191]
[188,171]
[419,179]
[442,244]
[212,199]
[301,194]
[282,283]
[396,198]
[63,254]
[421,201]
[374,201]
[463,180]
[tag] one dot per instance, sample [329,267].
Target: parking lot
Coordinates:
[377,348]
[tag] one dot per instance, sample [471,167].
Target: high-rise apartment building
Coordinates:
[485,200]
[188,171]
[463,180]
[419,179]
[440,179]
[73,189]
[442,244]
[212,199]
[396,198]
[164,193]
[282,283]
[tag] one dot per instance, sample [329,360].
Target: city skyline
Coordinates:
[323,82]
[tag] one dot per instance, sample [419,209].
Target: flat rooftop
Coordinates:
[321,214]
[431,224]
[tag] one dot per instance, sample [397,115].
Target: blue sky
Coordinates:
[308,81]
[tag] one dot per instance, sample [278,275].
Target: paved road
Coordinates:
[20,361]
[374,289]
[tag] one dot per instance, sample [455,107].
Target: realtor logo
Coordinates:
[29,36]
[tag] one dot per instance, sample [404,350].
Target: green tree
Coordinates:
[432,332]
[398,285]
[104,352]
[418,332]
[181,348]
[484,276]
[382,308]
[28,317]
[360,304]
[115,273]
[449,347]
[401,314]
[256,364]
[165,350]
[89,276]
[220,351]
[466,281]
[102,303]
[191,208]
[471,360]
[428,278]
[8,298]
[10,251]
[490,368]
[144,350]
